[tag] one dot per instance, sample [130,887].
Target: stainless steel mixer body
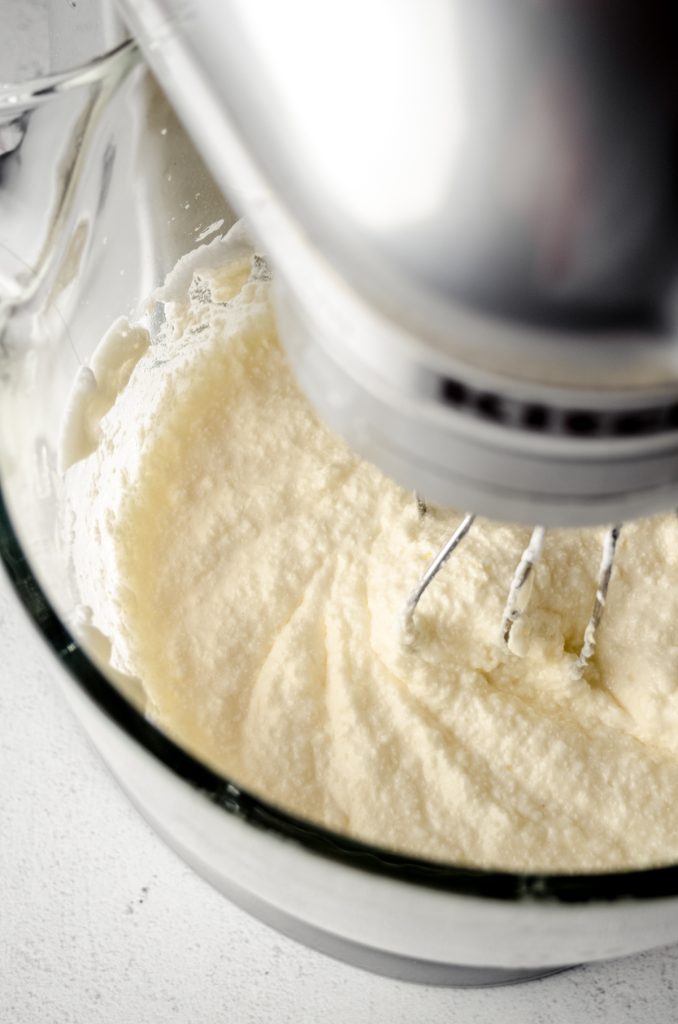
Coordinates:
[475,211]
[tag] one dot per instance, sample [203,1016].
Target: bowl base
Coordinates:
[390,965]
[367,958]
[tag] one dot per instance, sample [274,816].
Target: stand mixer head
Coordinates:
[474,216]
[474,212]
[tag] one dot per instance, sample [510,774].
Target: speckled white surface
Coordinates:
[100,922]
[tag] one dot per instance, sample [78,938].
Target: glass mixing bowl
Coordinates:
[100,192]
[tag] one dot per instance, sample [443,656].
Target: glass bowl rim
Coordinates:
[562,888]
[15,97]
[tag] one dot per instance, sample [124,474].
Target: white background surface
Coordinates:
[101,924]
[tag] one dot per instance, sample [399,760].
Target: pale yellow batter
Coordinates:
[251,572]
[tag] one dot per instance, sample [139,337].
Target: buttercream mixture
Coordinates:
[250,571]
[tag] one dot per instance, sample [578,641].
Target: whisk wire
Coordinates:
[521,584]
[433,569]
[604,575]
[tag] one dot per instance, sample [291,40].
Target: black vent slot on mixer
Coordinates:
[541,418]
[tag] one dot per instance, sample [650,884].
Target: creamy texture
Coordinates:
[251,572]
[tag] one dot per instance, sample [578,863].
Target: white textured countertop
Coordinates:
[100,922]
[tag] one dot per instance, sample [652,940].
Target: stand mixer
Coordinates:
[474,247]
[473,211]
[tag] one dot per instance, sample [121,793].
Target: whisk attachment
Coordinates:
[604,574]
[432,571]
[521,584]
